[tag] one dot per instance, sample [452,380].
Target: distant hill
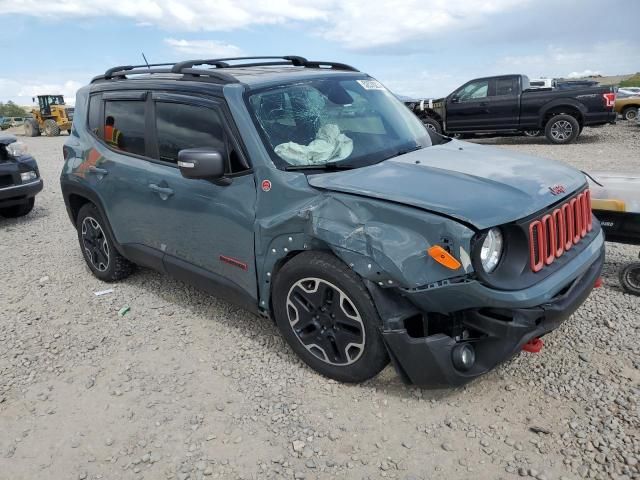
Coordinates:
[614,80]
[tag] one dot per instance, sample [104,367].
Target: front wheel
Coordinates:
[562,129]
[432,124]
[327,317]
[630,278]
[16,211]
[532,133]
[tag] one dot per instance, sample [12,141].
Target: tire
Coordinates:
[98,247]
[31,128]
[532,133]
[432,124]
[16,211]
[343,339]
[630,278]
[562,129]
[51,128]
[630,113]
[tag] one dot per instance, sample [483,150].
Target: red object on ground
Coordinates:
[533,346]
[598,283]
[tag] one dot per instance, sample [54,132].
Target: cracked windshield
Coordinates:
[323,122]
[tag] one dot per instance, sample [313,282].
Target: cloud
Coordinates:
[21,93]
[190,15]
[559,61]
[205,48]
[584,73]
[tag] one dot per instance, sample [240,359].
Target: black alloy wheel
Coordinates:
[326,321]
[95,244]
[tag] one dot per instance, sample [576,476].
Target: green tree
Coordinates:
[10,109]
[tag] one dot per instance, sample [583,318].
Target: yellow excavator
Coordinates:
[50,117]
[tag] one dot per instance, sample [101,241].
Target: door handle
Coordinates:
[484,104]
[164,192]
[98,171]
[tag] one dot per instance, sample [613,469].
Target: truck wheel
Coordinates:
[432,124]
[630,113]
[16,211]
[31,128]
[532,133]
[561,129]
[51,128]
[630,278]
[98,247]
[327,317]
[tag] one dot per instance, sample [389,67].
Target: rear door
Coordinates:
[504,103]
[205,228]
[117,171]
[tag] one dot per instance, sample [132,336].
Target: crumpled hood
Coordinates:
[480,185]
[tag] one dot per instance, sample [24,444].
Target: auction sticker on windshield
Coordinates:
[371,85]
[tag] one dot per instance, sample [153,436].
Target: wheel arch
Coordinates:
[564,107]
[76,196]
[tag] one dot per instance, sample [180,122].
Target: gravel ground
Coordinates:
[188,386]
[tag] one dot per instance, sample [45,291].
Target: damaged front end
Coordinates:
[442,327]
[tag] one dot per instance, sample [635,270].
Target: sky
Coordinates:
[417,48]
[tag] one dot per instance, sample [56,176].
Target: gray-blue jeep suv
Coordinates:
[308,193]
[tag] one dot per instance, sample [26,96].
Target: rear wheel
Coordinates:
[31,128]
[432,124]
[327,317]
[630,113]
[98,247]
[630,278]
[51,128]
[16,211]
[562,129]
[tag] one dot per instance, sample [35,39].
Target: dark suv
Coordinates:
[308,193]
[20,180]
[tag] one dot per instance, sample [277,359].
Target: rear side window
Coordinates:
[94,114]
[180,126]
[124,125]
[507,86]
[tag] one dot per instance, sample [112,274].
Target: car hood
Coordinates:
[479,185]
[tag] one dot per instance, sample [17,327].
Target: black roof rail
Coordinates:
[187,67]
[109,73]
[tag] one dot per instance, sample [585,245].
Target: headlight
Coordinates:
[17,149]
[28,176]
[491,250]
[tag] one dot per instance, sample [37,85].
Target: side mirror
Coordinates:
[201,163]
[454,99]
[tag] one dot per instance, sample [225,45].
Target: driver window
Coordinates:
[474,91]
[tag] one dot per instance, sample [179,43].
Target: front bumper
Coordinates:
[427,361]
[17,194]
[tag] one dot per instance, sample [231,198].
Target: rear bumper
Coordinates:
[600,118]
[18,194]
[427,361]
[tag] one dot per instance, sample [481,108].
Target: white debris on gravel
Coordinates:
[186,386]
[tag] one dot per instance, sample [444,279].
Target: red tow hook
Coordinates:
[598,283]
[533,346]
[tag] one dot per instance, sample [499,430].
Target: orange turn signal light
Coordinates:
[443,257]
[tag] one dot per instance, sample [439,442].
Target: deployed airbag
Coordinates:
[329,146]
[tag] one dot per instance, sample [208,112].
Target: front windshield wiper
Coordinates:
[404,150]
[321,166]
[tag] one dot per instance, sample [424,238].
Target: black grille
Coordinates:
[6,180]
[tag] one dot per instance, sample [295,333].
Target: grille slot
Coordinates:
[557,231]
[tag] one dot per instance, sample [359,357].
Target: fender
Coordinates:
[559,103]
[70,187]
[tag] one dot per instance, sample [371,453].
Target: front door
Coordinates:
[203,227]
[468,108]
